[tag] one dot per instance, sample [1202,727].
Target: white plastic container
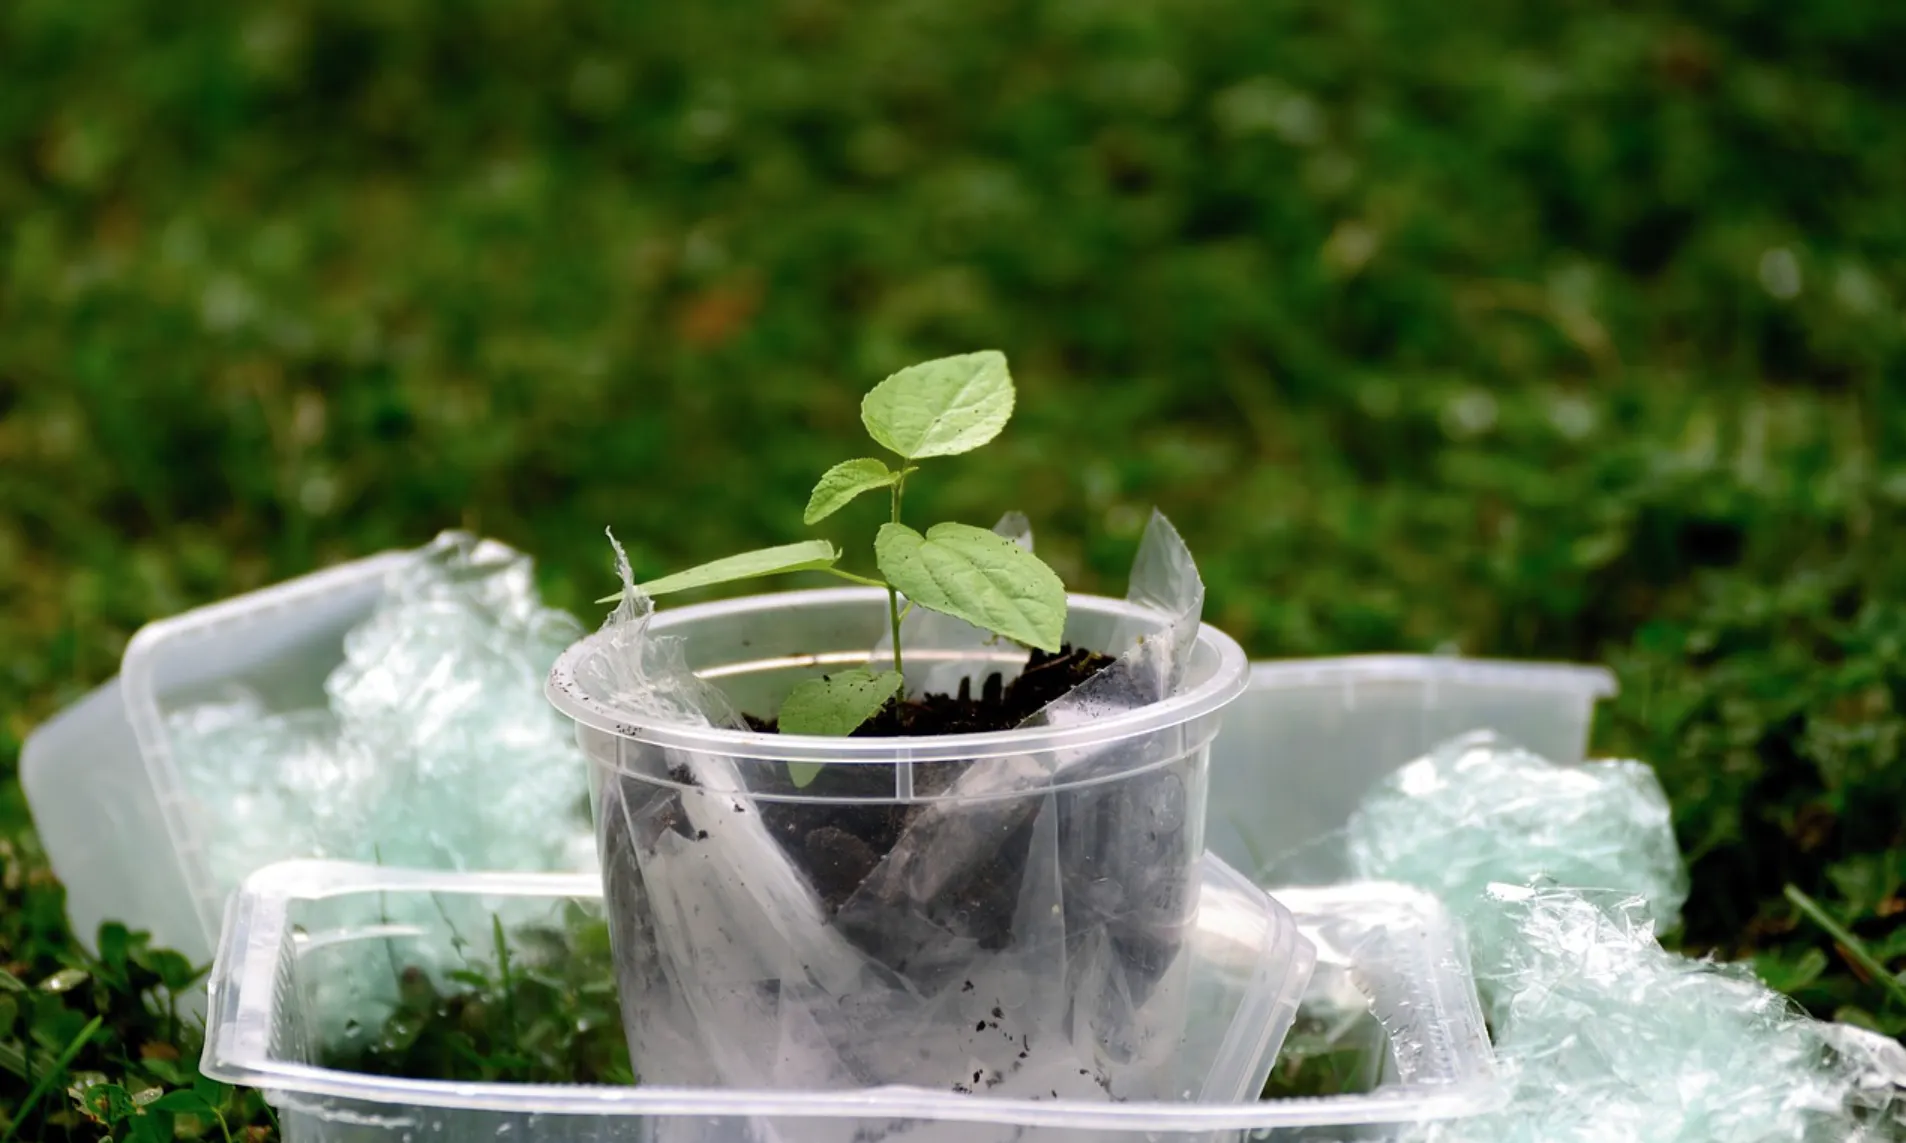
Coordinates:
[1309,737]
[97,814]
[1014,920]
[290,937]
[120,829]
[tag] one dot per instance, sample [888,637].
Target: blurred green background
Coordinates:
[1569,330]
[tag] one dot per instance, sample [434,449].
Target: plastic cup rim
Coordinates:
[1224,684]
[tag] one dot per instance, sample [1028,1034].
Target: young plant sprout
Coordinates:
[944,407]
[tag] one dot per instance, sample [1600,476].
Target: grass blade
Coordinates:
[52,1076]
[1854,948]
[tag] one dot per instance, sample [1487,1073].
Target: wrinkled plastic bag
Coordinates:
[729,939]
[1564,875]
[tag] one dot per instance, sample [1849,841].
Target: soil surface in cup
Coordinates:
[1045,678]
[839,843]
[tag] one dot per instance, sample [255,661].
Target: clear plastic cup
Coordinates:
[1025,941]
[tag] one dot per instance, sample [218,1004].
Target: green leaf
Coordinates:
[211,1091]
[107,1102]
[842,483]
[940,408]
[10,982]
[173,969]
[65,980]
[150,1129]
[976,575]
[115,941]
[182,1102]
[1784,975]
[834,705]
[808,555]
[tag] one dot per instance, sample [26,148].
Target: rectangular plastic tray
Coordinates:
[1300,748]
[283,966]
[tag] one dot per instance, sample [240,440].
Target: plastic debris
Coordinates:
[1609,1036]
[1480,809]
[1564,876]
[436,750]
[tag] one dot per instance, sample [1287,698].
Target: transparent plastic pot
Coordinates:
[1310,737]
[1027,942]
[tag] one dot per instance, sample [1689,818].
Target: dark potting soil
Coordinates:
[839,843]
[1046,677]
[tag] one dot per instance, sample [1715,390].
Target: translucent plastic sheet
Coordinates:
[437,748]
[1564,875]
[1021,935]
[1481,809]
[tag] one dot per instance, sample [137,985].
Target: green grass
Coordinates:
[1571,330]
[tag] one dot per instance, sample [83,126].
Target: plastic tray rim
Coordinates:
[237,1045]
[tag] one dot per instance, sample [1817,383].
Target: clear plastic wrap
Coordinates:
[1480,809]
[1564,875]
[1608,1036]
[990,947]
[436,748]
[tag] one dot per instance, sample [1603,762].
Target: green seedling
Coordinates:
[938,408]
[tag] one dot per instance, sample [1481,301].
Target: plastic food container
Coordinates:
[299,933]
[1309,737]
[118,826]
[1001,912]
[304,940]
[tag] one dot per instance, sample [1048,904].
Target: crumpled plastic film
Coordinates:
[1012,940]
[645,674]
[436,749]
[1480,809]
[1606,1035]
[1563,876]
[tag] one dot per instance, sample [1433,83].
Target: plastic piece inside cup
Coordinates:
[1122,836]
